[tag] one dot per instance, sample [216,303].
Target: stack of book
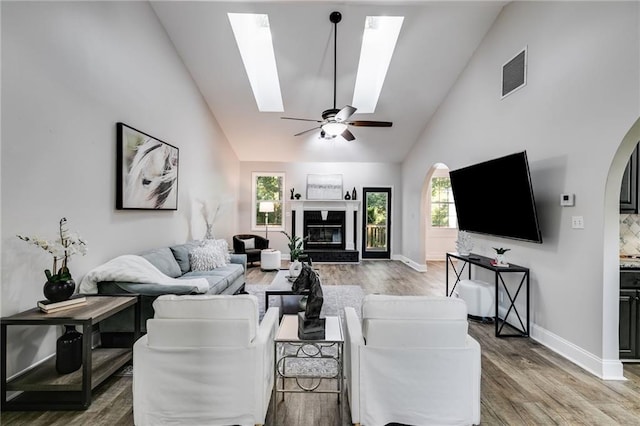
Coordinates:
[48,306]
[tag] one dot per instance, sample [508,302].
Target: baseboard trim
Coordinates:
[413,265]
[606,369]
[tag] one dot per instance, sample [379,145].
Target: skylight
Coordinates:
[378,42]
[253,37]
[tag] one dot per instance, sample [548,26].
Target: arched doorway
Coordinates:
[612,368]
[439,221]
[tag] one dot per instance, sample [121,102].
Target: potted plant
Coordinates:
[500,257]
[60,285]
[295,244]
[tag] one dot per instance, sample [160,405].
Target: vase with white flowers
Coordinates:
[60,285]
[464,243]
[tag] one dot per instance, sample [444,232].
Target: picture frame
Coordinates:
[147,171]
[324,187]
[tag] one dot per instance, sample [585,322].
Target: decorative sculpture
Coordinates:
[310,325]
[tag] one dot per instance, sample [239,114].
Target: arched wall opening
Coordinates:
[612,368]
[436,241]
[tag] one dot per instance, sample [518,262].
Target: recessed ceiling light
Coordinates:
[378,43]
[253,37]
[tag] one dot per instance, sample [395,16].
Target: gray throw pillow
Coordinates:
[163,259]
[181,254]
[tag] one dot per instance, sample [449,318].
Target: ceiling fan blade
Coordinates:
[344,113]
[364,123]
[307,131]
[301,119]
[347,135]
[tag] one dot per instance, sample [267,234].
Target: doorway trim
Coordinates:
[377,254]
[611,366]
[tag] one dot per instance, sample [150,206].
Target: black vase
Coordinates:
[354,194]
[57,291]
[347,196]
[69,350]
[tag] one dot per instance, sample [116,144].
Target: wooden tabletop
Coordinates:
[96,309]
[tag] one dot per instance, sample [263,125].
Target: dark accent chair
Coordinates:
[253,255]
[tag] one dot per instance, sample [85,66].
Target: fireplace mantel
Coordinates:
[353,205]
[348,206]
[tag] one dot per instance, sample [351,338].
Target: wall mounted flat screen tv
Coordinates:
[496,198]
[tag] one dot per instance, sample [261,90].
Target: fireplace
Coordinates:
[325,230]
[333,239]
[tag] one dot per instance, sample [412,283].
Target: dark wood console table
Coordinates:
[41,387]
[485,263]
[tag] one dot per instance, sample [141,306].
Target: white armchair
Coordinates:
[204,360]
[411,361]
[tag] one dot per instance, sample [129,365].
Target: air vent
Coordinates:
[514,73]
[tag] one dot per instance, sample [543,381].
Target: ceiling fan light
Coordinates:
[333,128]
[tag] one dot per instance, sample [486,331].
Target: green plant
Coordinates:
[295,245]
[501,250]
[68,244]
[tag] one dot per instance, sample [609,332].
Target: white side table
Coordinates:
[270,260]
[325,355]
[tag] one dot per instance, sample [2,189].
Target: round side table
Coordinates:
[270,260]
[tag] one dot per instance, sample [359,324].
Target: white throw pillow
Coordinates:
[224,246]
[249,243]
[221,251]
[209,256]
[202,258]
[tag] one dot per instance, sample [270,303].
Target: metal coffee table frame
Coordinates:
[308,350]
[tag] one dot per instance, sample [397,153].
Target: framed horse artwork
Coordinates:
[147,171]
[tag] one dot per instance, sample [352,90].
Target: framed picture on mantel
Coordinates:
[324,187]
[147,171]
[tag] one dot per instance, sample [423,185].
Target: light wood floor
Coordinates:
[523,383]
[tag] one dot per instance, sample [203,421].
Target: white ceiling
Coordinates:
[436,42]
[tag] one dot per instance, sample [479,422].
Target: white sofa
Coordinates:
[205,360]
[411,361]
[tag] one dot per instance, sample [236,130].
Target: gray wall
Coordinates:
[353,175]
[70,71]
[581,98]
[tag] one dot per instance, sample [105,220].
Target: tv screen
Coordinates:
[496,198]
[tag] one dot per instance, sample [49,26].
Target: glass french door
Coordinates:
[376,223]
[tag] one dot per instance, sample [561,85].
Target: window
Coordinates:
[268,187]
[443,210]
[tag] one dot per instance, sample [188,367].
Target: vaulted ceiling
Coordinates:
[436,42]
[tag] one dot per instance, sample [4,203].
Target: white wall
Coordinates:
[581,98]
[353,175]
[70,71]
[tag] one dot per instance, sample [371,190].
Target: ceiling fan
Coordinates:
[336,121]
